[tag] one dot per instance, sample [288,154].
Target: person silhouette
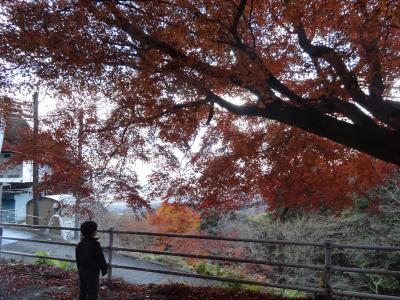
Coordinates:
[90,261]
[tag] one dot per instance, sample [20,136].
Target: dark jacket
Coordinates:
[90,257]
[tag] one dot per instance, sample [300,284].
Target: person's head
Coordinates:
[89,229]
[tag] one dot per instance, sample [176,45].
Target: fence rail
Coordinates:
[10,216]
[327,267]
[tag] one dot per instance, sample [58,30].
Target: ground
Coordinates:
[34,282]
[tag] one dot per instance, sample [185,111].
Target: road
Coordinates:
[16,234]
[135,277]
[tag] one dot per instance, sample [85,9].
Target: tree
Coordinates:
[311,173]
[329,68]
[174,72]
[175,217]
[282,166]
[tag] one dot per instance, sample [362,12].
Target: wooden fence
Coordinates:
[327,268]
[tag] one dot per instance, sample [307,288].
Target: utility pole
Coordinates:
[1,203]
[2,132]
[35,164]
[79,159]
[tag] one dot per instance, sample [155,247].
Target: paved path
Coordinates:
[136,277]
[17,234]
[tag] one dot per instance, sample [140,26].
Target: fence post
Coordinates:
[1,238]
[110,244]
[328,268]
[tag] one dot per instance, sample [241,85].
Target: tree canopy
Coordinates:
[168,68]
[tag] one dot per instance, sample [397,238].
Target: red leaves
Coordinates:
[52,283]
[24,279]
[148,58]
[311,173]
[285,167]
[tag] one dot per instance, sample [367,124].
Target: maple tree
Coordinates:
[282,166]
[169,68]
[180,218]
[329,67]
[311,173]
[175,217]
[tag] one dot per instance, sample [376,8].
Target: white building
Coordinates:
[15,180]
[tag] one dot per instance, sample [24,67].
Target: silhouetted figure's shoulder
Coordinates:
[89,242]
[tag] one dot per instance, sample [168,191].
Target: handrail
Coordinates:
[39,241]
[37,256]
[221,258]
[180,273]
[328,268]
[221,238]
[43,227]
[365,271]
[366,247]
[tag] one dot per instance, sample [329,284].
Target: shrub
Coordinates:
[353,226]
[65,265]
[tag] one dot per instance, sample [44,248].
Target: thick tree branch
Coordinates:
[331,105]
[363,135]
[328,54]
[378,108]
[236,20]
[210,113]
[376,86]
[249,24]
[377,141]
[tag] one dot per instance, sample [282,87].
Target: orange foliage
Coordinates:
[175,217]
[178,218]
[329,68]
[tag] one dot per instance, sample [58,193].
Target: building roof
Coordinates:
[17,185]
[64,199]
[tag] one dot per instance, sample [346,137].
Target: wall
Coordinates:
[1,137]
[46,210]
[27,172]
[20,204]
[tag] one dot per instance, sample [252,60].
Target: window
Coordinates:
[6,155]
